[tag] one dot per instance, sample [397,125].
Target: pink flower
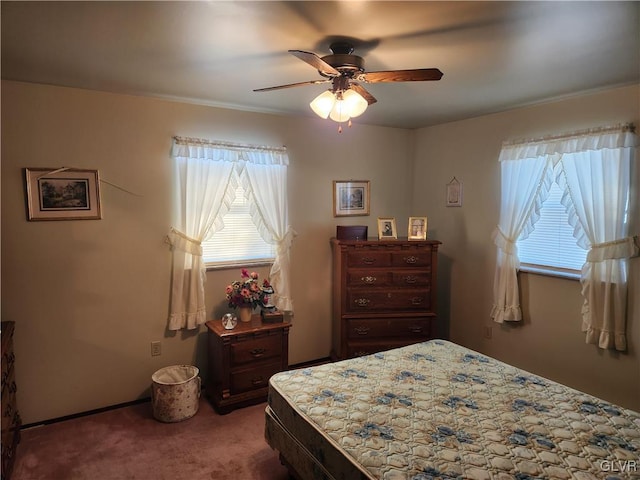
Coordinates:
[229,290]
[254,275]
[244,273]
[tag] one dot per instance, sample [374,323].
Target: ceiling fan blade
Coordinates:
[299,84]
[315,61]
[417,75]
[363,93]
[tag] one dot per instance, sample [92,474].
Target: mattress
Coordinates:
[437,410]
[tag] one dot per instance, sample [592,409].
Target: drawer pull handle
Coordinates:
[362,330]
[257,352]
[415,329]
[416,301]
[362,302]
[410,259]
[369,279]
[368,260]
[410,279]
[257,381]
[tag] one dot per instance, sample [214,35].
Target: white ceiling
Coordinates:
[494,55]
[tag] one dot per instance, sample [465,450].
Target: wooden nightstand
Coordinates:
[242,360]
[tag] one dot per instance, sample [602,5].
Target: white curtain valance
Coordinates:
[230,152]
[618,136]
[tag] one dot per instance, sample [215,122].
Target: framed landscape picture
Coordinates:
[62,194]
[350,198]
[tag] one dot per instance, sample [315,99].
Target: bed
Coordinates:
[437,410]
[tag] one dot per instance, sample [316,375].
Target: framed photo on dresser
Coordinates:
[417,228]
[387,228]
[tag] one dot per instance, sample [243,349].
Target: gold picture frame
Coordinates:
[351,198]
[387,228]
[417,228]
[62,194]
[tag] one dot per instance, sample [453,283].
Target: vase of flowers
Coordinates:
[248,293]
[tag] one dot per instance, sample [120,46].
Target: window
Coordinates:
[552,244]
[595,167]
[203,172]
[239,241]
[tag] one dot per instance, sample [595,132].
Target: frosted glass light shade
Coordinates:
[340,111]
[355,103]
[323,104]
[339,107]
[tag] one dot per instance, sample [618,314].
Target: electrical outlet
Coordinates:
[156,349]
[488,332]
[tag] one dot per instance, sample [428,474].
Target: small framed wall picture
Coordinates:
[62,194]
[454,193]
[387,228]
[417,228]
[350,198]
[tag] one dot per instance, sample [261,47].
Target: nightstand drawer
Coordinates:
[258,349]
[251,379]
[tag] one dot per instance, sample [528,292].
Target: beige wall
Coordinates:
[549,341]
[88,297]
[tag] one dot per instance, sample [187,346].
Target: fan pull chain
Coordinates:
[340,126]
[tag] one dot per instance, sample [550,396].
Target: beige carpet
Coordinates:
[127,443]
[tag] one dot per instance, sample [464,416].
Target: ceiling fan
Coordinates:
[345,71]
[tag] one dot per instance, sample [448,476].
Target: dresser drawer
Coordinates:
[369,278]
[372,328]
[359,300]
[412,278]
[367,258]
[359,349]
[253,378]
[256,350]
[411,258]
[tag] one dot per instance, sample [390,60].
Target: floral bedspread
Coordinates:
[436,410]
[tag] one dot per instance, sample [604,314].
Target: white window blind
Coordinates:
[239,241]
[552,244]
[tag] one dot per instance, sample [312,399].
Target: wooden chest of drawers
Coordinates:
[384,295]
[10,417]
[242,360]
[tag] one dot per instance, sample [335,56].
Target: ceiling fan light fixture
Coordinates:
[354,102]
[323,104]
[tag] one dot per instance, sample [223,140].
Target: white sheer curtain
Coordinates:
[201,176]
[265,179]
[599,215]
[591,162]
[206,175]
[525,185]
